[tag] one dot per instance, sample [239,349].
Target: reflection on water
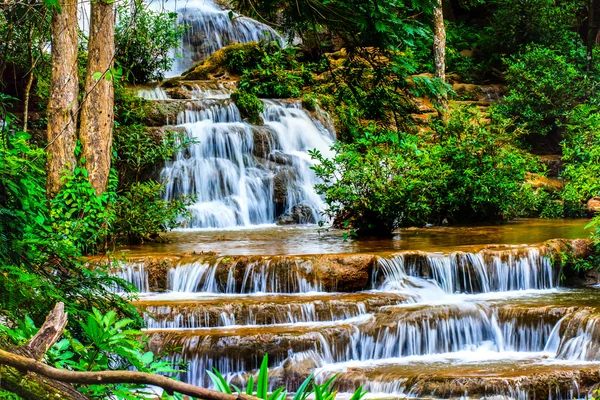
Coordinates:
[272,240]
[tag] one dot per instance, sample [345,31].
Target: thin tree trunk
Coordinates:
[64,89]
[439,53]
[591,35]
[29,84]
[97,116]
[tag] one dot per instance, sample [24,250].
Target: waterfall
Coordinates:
[482,272]
[241,174]
[424,323]
[210,28]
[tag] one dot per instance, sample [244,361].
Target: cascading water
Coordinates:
[487,324]
[211,27]
[241,174]
[420,319]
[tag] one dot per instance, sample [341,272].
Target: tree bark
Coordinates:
[591,35]
[439,53]
[97,111]
[64,90]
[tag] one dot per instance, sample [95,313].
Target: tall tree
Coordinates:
[439,53]
[64,91]
[97,111]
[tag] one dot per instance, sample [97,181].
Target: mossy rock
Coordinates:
[230,60]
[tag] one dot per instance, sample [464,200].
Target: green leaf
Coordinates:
[250,386]
[263,379]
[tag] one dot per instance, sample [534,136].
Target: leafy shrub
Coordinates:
[106,343]
[516,24]
[488,169]
[38,265]
[462,37]
[79,215]
[141,214]
[581,158]
[277,75]
[543,86]
[137,151]
[469,171]
[382,181]
[144,39]
[249,105]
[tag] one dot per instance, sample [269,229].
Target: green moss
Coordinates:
[249,105]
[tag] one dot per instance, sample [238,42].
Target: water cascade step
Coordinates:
[493,322]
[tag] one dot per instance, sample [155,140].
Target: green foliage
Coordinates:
[488,169]
[471,171]
[143,40]
[516,24]
[38,265]
[462,37]
[381,181]
[543,87]
[137,151]
[82,218]
[323,391]
[106,343]
[249,105]
[141,214]
[581,158]
[276,75]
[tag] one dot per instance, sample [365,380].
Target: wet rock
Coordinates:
[158,270]
[284,175]
[552,185]
[297,368]
[179,93]
[158,132]
[163,113]
[262,141]
[298,214]
[281,158]
[553,165]
[593,206]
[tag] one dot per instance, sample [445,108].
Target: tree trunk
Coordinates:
[64,89]
[591,35]
[97,116]
[439,53]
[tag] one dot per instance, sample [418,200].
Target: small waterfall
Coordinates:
[482,272]
[243,276]
[211,28]
[244,175]
[153,93]
[134,273]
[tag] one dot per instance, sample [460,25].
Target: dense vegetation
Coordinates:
[406,156]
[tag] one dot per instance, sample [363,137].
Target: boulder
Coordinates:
[298,214]
[593,206]
[179,93]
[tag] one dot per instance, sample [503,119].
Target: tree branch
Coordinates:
[48,334]
[25,364]
[25,361]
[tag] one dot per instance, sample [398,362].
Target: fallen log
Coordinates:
[22,372]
